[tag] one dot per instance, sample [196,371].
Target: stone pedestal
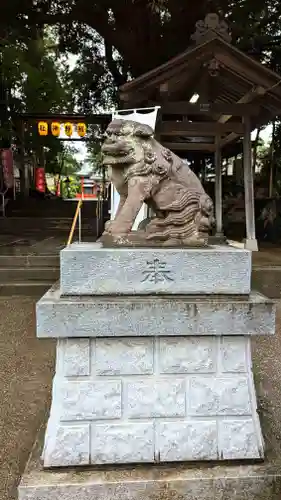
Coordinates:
[90,269]
[153,356]
[166,399]
[150,482]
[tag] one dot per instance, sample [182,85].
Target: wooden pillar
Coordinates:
[251,241]
[218,189]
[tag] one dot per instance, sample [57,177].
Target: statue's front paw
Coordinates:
[107,226]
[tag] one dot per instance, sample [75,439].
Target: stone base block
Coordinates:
[157,482]
[251,244]
[90,269]
[137,400]
[63,317]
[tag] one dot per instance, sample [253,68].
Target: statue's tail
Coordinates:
[188,215]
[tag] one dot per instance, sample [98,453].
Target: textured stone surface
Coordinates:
[220,396]
[164,482]
[238,439]
[89,269]
[187,355]
[182,441]
[141,169]
[233,355]
[160,398]
[89,399]
[124,356]
[69,446]
[153,400]
[153,316]
[121,443]
[77,357]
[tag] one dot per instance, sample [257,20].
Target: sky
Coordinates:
[265,134]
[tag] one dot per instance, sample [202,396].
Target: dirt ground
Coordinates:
[26,368]
[267,374]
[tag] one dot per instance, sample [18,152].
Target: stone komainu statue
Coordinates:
[144,171]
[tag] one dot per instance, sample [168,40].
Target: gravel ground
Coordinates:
[267,374]
[26,368]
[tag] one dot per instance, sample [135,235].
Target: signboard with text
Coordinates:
[40,179]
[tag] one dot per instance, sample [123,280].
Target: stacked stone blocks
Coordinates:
[129,388]
[145,398]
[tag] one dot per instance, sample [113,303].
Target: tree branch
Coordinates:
[119,79]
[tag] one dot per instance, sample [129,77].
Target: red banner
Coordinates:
[58,187]
[8,167]
[40,182]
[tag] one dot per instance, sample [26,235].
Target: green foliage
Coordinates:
[270,157]
[34,80]
[94,156]
[36,39]
[94,84]
[130,48]
[69,190]
[110,50]
[62,160]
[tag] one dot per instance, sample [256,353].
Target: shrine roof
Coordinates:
[216,70]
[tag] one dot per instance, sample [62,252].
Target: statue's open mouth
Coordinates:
[117,153]
[118,158]
[109,161]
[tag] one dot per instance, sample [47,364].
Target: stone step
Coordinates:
[47,233]
[31,289]
[29,261]
[26,274]
[39,223]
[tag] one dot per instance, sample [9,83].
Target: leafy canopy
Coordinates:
[112,41]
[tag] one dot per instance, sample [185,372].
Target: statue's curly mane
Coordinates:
[153,164]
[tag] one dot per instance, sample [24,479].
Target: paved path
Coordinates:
[26,366]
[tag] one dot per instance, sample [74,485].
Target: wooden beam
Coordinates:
[229,138]
[246,99]
[250,96]
[199,128]
[179,81]
[154,78]
[187,108]
[189,146]
[245,71]
[128,98]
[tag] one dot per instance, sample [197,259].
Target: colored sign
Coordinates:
[40,179]
[68,129]
[43,128]
[81,129]
[8,167]
[55,129]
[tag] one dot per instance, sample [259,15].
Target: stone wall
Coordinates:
[125,400]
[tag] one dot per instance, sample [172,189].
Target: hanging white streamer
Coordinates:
[148,117]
